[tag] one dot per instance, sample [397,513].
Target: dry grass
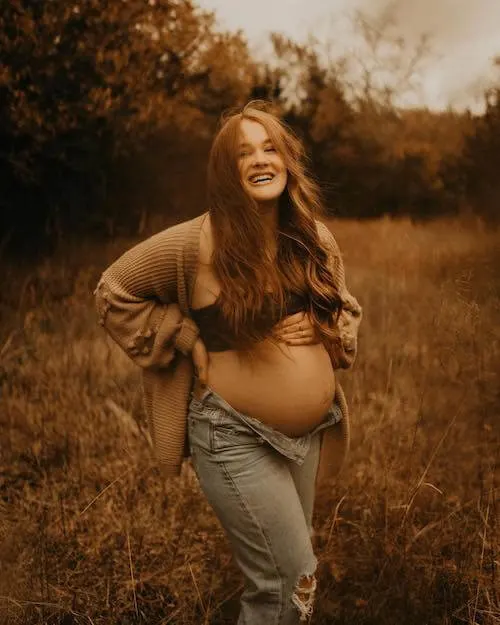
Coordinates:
[90,533]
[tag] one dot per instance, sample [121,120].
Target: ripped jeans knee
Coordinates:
[303,596]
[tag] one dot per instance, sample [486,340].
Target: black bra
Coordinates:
[215,332]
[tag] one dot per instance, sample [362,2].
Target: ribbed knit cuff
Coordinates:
[168,469]
[186,336]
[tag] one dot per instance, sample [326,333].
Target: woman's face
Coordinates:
[262,170]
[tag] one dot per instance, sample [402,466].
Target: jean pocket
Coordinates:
[228,432]
[198,408]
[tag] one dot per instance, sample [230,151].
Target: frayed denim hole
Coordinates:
[303,596]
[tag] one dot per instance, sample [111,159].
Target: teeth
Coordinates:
[261,178]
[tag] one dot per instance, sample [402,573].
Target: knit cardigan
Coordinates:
[143,302]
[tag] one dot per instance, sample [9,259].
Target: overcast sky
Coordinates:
[465,36]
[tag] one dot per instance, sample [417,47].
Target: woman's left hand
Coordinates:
[297,329]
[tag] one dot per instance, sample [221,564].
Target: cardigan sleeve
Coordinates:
[351,313]
[136,302]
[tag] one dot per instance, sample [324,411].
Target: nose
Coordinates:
[260,157]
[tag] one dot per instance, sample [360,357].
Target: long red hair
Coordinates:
[240,263]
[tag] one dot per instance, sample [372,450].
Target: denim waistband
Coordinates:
[294,448]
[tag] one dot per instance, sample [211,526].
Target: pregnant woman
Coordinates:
[239,318]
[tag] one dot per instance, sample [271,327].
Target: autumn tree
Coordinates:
[85,88]
[476,170]
[372,155]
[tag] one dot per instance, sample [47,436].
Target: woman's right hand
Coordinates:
[200,360]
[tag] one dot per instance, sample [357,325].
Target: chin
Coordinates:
[265,196]
[265,199]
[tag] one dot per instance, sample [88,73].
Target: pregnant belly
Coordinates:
[289,389]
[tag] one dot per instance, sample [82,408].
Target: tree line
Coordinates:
[107,111]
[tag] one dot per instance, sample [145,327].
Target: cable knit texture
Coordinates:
[143,301]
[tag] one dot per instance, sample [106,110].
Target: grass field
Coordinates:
[91,533]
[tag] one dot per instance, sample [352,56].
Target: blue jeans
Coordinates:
[260,484]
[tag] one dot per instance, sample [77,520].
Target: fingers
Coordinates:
[300,327]
[301,341]
[291,320]
[202,378]
[299,334]
[306,338]
[201,362]
[296,330]
[201,374]
[303,335]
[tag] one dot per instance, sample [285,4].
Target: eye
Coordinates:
[270,149]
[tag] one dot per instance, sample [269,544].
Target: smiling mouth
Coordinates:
[263,178]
